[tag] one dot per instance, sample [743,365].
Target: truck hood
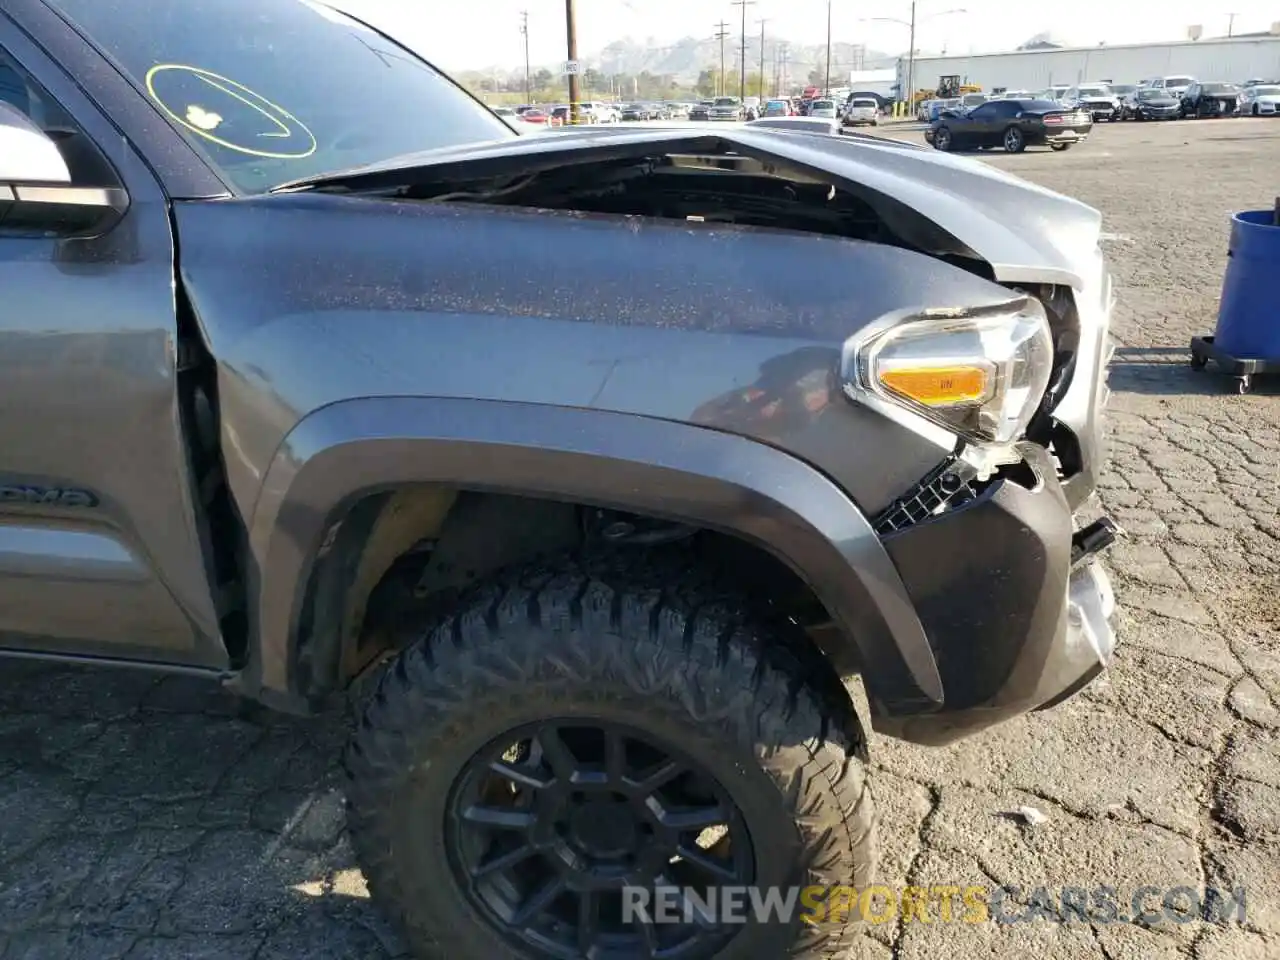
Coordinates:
[1025,232]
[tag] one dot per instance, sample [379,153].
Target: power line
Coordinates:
[524,30]
[763,21]
[722,31]
[742,56]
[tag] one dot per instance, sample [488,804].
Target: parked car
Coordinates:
[601,112]
[1260,100]
[937,106]
[1012,124]
[1054,93]
[971,100]
[726,108]
[862,110]
[1121,91]
[286,427]
[1210,100]
[777,108]
[924,112]
[824,109]
[535,115]
[701,110]
[1150,103]
[1097,99]
[1015,95]
[1176,84]
[634,111]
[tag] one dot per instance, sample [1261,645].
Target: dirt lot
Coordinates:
[142,818]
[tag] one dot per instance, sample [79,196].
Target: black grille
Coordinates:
[940,491]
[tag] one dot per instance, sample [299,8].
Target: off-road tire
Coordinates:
[660,644]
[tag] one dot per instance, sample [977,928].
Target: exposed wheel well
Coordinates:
[404,556]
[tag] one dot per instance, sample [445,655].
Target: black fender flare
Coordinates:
[351,449]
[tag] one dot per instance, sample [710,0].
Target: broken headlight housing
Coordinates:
[977,374]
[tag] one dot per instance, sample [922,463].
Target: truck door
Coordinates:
[100,554]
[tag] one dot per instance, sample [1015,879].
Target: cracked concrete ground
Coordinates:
[152,818]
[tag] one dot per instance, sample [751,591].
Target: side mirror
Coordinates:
[36,193]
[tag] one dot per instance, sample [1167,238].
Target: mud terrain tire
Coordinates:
[659,648]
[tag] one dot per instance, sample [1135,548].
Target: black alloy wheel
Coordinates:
[573,736]
[550,823]
[1014,141]
[942,138]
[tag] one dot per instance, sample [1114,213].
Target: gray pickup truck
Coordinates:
[593,469]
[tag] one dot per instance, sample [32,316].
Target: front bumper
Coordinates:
[1012,626]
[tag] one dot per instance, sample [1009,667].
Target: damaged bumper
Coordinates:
[1015,605]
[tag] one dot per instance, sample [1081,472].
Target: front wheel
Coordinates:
[1014,141]
[580,754]
[942,139]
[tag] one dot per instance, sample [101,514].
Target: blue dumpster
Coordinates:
[1249,315]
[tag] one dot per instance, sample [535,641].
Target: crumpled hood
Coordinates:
[1025,232]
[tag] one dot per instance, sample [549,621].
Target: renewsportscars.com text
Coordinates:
[1147,905]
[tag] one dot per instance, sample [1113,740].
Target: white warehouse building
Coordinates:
[1236,59]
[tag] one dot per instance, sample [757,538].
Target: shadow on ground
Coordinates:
[1166,371]
[153,818]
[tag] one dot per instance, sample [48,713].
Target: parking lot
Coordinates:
[149,818]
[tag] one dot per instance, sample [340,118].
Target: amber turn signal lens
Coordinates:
[941,386]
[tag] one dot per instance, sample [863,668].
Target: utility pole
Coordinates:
[827,89]
[722,31]
[762,23]
[524,30]
[911,64]
[742,54]
[783,84]
[1231,24]
[571,25]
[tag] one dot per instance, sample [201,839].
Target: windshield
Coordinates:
[1094,92]
[1217,88]
[864,103]
[1178,81]
[277,90]
[823,105]
[726,102]
[1153,95]
[1121,89]
[1265,91]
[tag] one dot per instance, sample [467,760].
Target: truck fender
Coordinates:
[346,451]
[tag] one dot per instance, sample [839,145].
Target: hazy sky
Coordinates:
[486,33]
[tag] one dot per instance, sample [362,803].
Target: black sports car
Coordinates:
[1210,100]
[1012,124]
[1151,103]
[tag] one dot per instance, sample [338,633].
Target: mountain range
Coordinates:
[686,59]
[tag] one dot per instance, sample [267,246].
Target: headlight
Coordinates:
[979,374]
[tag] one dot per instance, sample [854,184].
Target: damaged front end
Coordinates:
[1006,385]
